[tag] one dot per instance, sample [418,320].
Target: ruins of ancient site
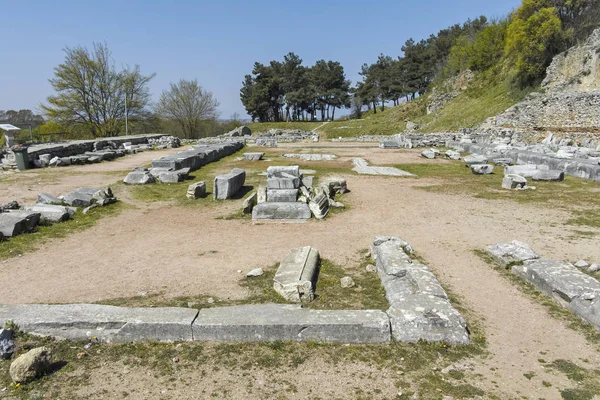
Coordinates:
[425,225]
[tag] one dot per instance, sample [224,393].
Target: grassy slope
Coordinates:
[487,96]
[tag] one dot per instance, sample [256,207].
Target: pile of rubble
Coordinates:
[15,220]
[412,140]
[289,194]
[274,136]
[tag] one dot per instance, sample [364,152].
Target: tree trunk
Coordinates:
[333,114]
[374,107]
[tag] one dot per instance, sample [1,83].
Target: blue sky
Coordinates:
[214,42]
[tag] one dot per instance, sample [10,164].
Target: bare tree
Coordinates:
[188,105]
[91,93]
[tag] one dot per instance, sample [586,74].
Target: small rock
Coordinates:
[582,264]
[255,272]
[371,268]
[31,365]
[12,205]
[210,300]
[347,282]
[594,268]
[7,343]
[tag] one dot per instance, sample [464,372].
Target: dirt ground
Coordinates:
[177,251]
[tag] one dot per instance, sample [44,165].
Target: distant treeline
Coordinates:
[520,46]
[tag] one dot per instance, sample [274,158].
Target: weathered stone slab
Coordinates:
[50,214]
[502,162]
[138,178]
[307,181]
[526,171]
[281,211]
[282,195]
[565,284]
[474,159]
[428,153]
[319,206]
[254,156]
[452,155]
[45,198]
[170,177]
[419,306]
[84,197]
[389,144]
[287,322]
[249,203]
[297,275]
[549,176]
[284,172]
[14,223]
[482,169]
[513,181]
[510,253]
[362,167]
[196,190]
[311,157]
[226,186]
[107,323]
[283,183]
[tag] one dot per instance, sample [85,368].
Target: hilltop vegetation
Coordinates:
[508,58]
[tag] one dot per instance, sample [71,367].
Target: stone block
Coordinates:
[429,154]
[389,144]
[513,252]
[249,203]
[549,176]
[196,190]
[526,171]
[482,169]
[138,178]
[513,181]
[297,275]
[288,322]
[50,214]
[107,323]
[254,156]
[283,183]
[307,181]
[226,186]
[84,197]
[282,195]
[474,159]
[170,177]
[45,198]
[293,211]
[319,206]
[14,223]
[284,172]
[502,162]
[452,155]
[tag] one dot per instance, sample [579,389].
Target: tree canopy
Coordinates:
[288,90]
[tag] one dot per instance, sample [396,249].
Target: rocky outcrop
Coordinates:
[570,96]
[449,90]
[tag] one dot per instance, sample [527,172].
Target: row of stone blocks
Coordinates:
[559,280]
[248,323]
[198,156]
[586,169]
[76,147]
